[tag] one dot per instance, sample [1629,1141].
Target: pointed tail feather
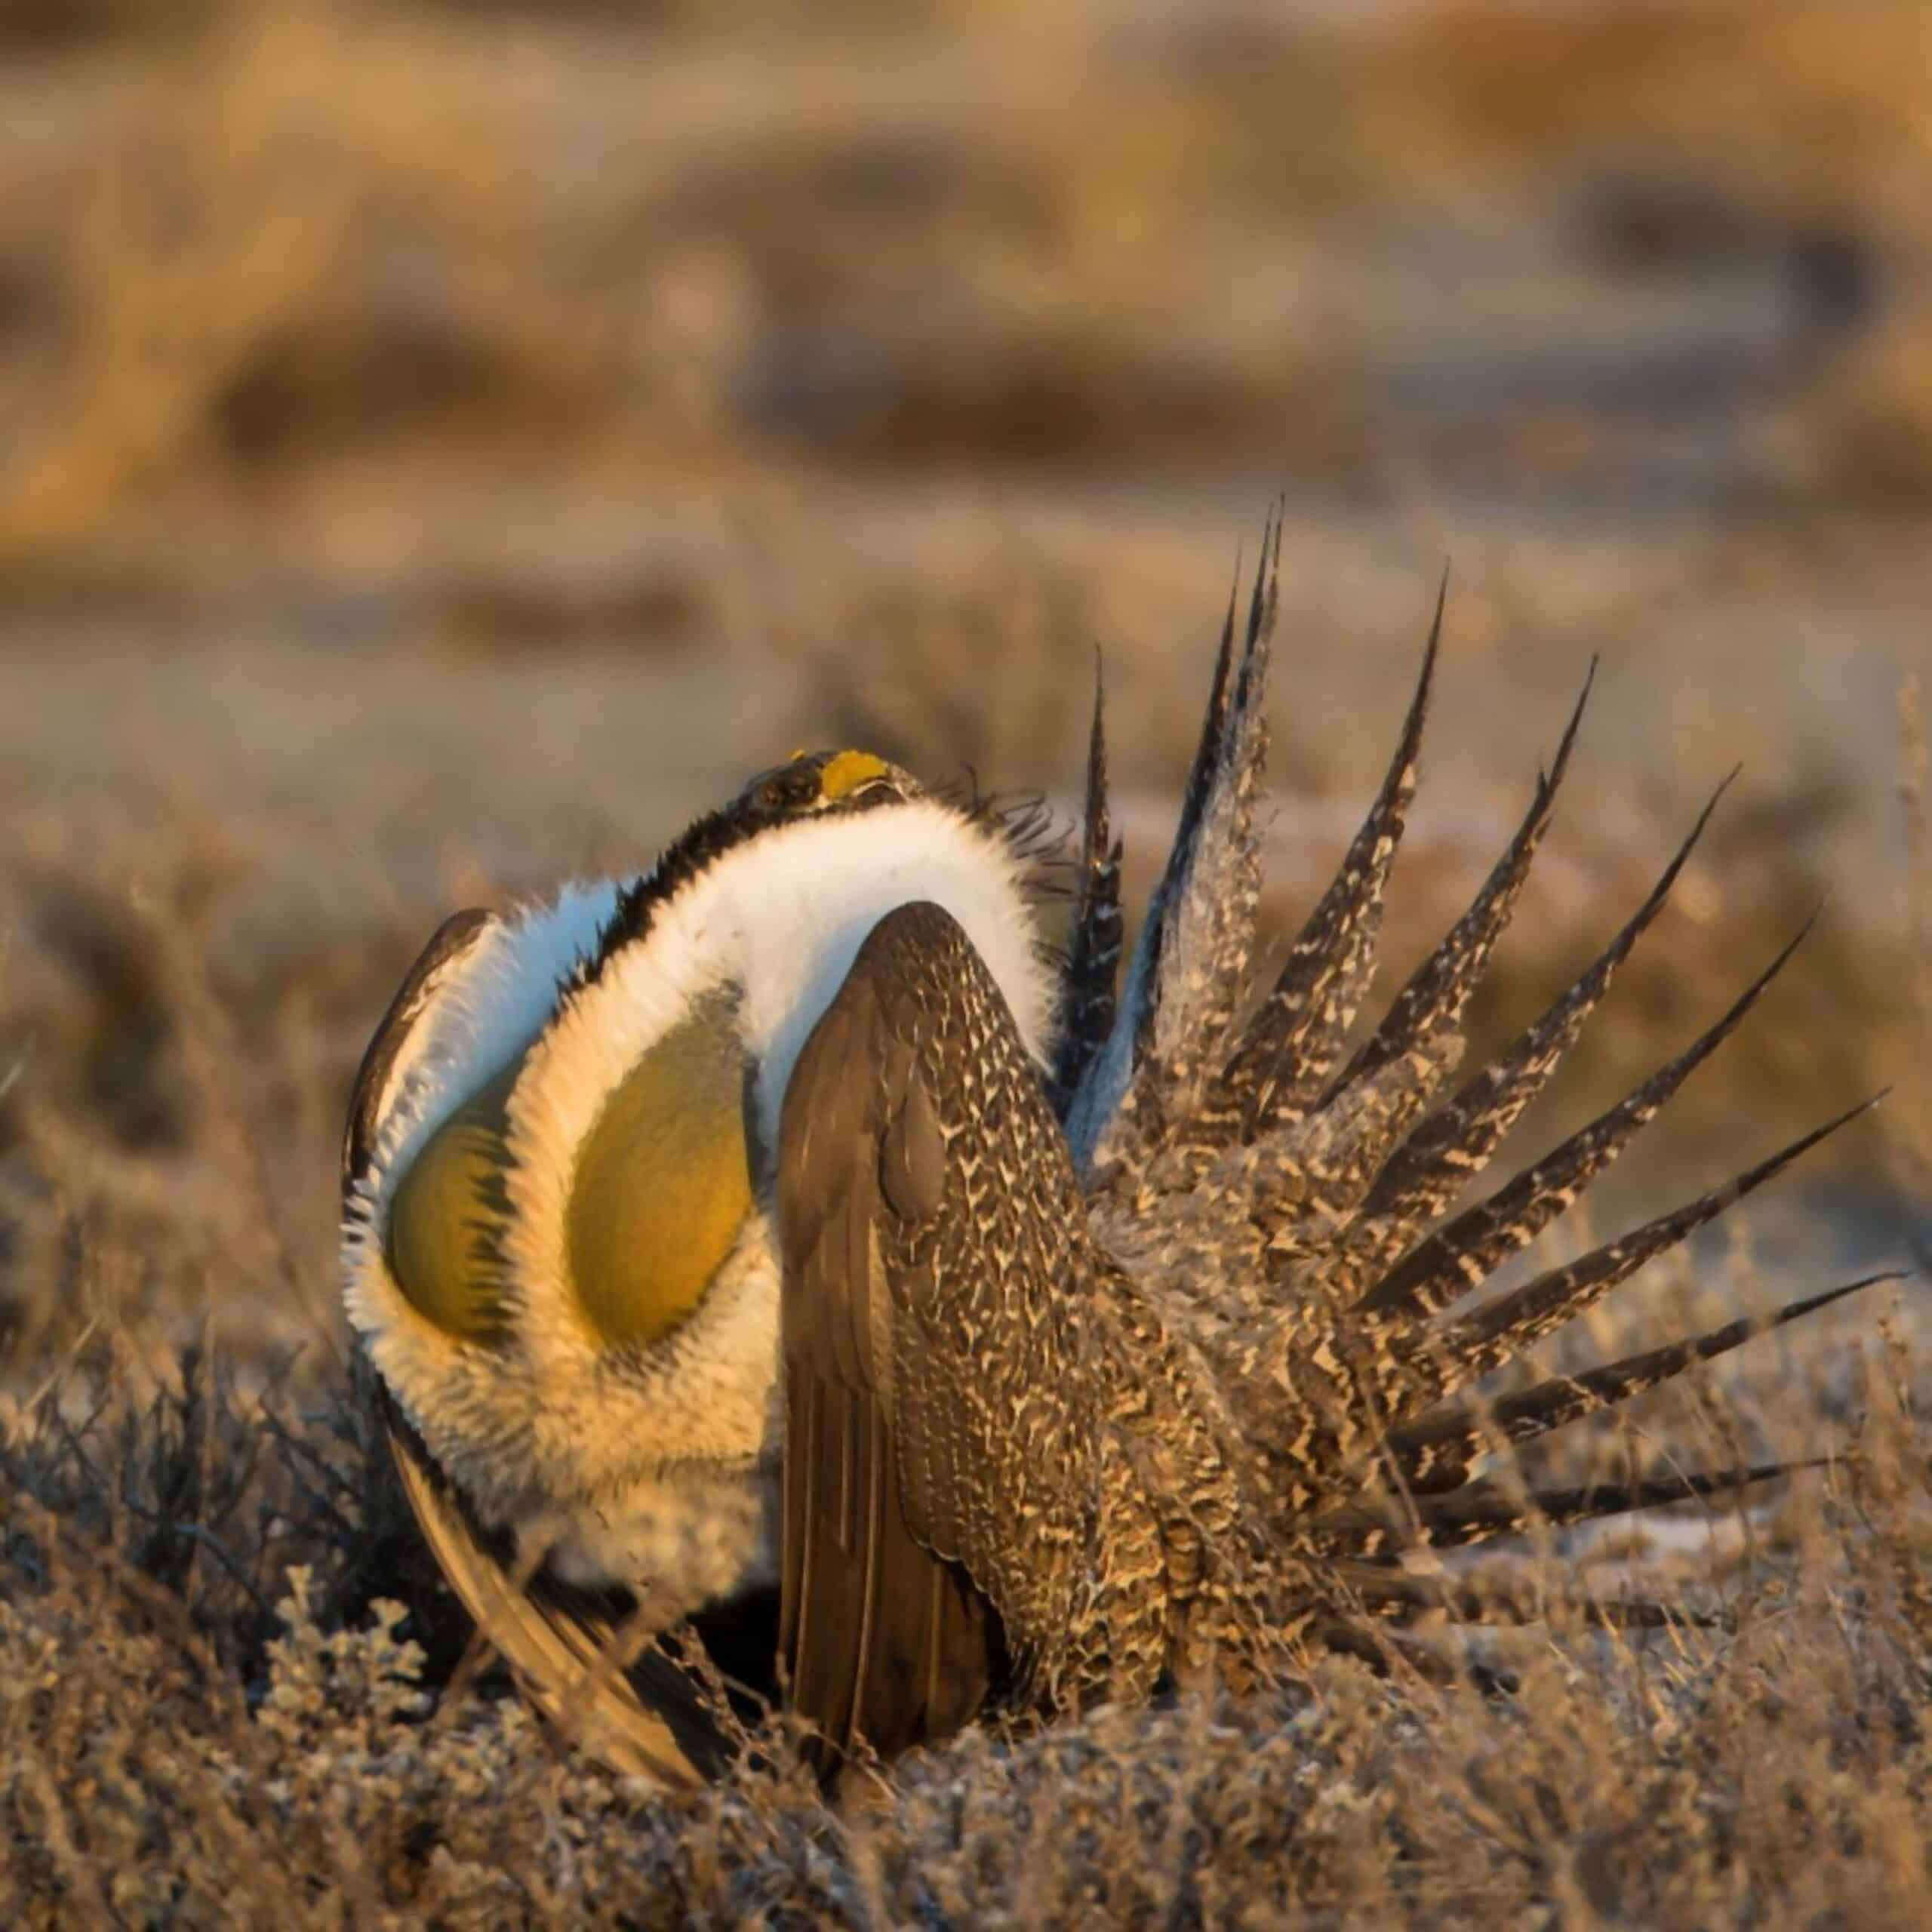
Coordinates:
[1288,1046]
[1446,1265]
[1436,1454]
[1189,965]
[1213,914]
[1419,1037]
[1485,1512]
[1444,1361]
[1093,962]
[1441,986]
[1455,1142]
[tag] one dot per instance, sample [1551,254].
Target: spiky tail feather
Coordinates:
[1330,1188]
[1440,987]
[1422,1027]
[1501,1330]
[1428,1171]
[1483,1512]
[1190,964]
[1089,997]
[1281,1060]
[1468,1249]
[1437,1454]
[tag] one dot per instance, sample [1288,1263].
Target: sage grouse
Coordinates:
[786,1238]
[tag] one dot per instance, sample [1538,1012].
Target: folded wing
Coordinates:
[932,1237]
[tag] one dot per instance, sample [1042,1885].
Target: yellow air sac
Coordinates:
[662,1184]
[446,1216]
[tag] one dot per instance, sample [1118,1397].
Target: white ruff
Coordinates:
[475,1015]
[556,1431]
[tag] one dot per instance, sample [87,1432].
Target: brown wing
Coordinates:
[368,1097]
[639,1713]
[883,1639]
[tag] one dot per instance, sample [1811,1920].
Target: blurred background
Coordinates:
[445,446]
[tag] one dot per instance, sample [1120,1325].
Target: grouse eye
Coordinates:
[790,789]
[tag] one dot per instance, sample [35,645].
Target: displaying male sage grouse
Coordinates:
[788,1234]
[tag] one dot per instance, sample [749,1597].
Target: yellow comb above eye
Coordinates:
[844,774]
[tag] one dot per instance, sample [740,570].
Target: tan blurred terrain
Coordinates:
[444,447]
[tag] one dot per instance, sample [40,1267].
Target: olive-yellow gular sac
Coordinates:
[447,1221]
[663,1185]
[661,1190]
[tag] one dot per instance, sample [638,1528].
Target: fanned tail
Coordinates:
[1296,1201]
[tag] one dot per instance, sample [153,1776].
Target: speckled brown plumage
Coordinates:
[947,1314]
[1129,1396]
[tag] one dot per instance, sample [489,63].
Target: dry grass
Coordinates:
[193,1736]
